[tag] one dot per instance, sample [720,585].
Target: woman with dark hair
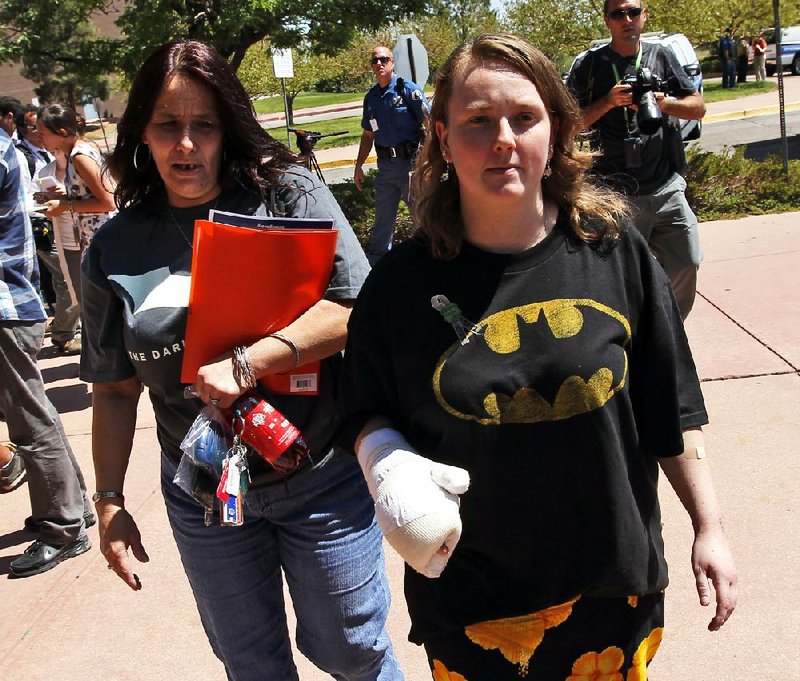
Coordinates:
[89,198]
[189,142]
[514,377]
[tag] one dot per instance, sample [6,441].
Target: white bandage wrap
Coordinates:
[416,500]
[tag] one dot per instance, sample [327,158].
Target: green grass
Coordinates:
[305,100]
[351,124]
[714,92]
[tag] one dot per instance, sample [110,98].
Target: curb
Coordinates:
[750,113]
[342,162]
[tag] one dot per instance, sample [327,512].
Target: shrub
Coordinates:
[728,185]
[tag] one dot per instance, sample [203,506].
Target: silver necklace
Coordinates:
[178,226]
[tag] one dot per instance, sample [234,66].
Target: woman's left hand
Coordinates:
[215,383]
[712,560]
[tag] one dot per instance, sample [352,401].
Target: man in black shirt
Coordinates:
[643,164]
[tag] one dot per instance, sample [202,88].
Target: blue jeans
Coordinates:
[729,74]
[318,526]
[391,186]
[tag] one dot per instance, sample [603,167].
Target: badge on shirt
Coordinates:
[373,124]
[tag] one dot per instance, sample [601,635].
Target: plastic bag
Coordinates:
[208,441]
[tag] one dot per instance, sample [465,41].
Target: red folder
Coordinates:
[247,283]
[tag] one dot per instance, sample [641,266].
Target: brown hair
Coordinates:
[594,212]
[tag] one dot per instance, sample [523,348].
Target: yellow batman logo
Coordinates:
[579,355]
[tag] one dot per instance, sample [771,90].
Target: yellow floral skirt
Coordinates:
[585,639]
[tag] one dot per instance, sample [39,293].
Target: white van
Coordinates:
[790,50]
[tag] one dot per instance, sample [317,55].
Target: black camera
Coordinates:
[643,84]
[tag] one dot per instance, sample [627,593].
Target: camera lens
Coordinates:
[649,116]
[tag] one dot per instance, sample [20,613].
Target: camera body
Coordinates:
[643,84]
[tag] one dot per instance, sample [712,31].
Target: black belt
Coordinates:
[405,150]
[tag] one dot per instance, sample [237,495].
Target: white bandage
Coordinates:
[416,500]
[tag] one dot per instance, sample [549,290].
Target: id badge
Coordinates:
[373,124]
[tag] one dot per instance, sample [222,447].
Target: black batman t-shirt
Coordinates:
[578,376]
[136,278]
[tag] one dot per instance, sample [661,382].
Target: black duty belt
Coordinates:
[405,150]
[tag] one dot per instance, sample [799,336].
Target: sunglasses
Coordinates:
[382,60]
[631,13]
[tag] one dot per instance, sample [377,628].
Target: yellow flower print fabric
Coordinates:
[644,653]
[602,666]
[442,673]
[517,638]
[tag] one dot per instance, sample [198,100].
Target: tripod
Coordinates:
[306,139]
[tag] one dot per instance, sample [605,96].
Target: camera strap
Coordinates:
[618,78]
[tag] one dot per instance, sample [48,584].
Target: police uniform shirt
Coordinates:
[386,114]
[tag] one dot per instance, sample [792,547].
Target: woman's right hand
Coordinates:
[118,532]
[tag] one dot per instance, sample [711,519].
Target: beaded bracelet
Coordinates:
[290,343]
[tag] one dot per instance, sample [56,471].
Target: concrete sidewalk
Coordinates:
[78,622]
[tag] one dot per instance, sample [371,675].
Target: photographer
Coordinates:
[620,88]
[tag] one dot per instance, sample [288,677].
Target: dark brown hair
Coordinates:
[250,156]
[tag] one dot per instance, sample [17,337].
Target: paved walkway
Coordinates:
[78,622]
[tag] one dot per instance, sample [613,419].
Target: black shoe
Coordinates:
[40,557]
[12,475]
[32,526]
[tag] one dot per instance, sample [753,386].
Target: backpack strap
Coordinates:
[400,89]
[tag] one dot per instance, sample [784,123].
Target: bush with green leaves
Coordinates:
[728,185]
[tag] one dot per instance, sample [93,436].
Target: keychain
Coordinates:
[452,315]
[233,485]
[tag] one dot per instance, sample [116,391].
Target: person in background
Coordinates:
[394,111]
[525,351]
[189,142]
[727,53]
[89,198]
[760,57]
[60,509]
[742,48]
[644,164]
[64,332]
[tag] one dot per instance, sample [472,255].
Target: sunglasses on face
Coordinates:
[631,13]
[382,60]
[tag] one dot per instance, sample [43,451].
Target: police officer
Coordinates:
[394,110]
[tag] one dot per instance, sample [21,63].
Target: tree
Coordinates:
[58,47]
[258,77]
[233,26]
[559,29]
[38,29]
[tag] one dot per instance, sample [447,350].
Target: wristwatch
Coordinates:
[107,494]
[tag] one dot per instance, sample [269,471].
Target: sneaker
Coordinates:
[70,347]
[40,557]
[12,475]
[31,525]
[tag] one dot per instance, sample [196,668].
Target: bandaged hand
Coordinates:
[416,500]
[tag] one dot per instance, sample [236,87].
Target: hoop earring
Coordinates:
[548,171]
[136,153]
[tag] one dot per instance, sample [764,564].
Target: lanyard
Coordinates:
[617,78]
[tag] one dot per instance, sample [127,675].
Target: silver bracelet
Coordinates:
[288,341]
[243,372]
